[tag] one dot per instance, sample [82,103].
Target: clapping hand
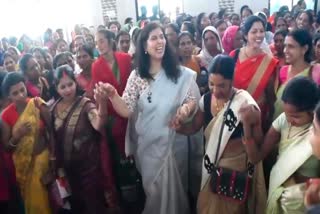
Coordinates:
[108,89]
[100,94]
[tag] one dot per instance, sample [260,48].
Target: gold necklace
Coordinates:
[219,107]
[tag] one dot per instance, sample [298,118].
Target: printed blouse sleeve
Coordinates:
[131,92]
[193,93]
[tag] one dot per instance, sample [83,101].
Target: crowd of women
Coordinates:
[209,114]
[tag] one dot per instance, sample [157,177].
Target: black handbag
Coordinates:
[128,179]
[230,184]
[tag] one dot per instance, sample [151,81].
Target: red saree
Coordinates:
[118,76]
[254,73]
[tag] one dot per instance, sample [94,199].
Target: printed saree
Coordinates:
[29,167]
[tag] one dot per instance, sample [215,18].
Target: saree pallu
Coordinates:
[284,195]
[253,75]
[30,168]
[210,203]
[79,151]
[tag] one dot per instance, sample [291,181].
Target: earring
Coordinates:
[145,52]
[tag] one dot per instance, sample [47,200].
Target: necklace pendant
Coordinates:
[149,97]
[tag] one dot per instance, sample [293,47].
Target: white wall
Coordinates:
[194,7]
[126,8]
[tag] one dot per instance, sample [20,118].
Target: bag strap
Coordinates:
[222,128]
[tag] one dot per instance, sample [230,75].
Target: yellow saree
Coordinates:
[30,168]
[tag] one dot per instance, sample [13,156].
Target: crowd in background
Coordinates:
[216,113]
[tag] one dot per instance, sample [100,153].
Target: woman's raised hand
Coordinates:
[249,114]
[105,89]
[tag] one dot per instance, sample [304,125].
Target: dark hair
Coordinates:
[219,22]
[301,92]
[135,36]
[303,37]
[174,27]
[114,23]
[248,24]
[7,55]
[243,8]
[169,61]
[80,37]
[40,50]
[86,48]
[127,20]
[221,13]
[281,32]
[198,23]
[185,33]
[122,33]
[247,9]
[3,74]
[300,2]
[61,40]
[234,14]
[59,30]
[57,58]
[212,14]
[10,80]
[59,73]
[190,27]
[23,63]
[14,49]
[223,65]
[316,38]
[110,36]
[279,18]
[308,13]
